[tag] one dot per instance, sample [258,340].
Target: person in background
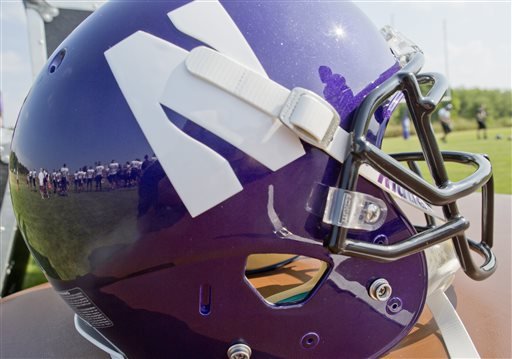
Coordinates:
[99,175]
[446,121]
[34,176]
[54,180]
[46,183]
[16,173]
[64,171]
[42,190]
[145,163]
[481,117]
[90,177]
[75,181]
[406,125]
[81,178]
[113,167]
[58,179]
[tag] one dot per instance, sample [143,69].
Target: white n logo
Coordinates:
[151,72]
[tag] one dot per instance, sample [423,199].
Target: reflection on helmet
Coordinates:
[185,229]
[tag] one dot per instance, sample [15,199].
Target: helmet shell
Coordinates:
[135,252]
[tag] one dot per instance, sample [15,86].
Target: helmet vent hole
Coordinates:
[284,279]
[56,61]
[205,299]
[394,305]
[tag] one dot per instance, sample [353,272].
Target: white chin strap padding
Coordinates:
[308,115]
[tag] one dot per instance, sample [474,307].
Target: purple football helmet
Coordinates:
[217,144]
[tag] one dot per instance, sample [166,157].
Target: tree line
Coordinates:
[465,102]
[498,103]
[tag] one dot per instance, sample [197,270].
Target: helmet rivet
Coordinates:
[380,290]
[372,214]
[310,340]
[239,351]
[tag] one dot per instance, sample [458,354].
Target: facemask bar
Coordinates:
[444,194]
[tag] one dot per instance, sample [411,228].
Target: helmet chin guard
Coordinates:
[444,194]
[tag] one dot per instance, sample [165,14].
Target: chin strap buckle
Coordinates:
[310,117]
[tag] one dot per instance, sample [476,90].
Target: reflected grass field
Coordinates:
[77,215]
[498,150]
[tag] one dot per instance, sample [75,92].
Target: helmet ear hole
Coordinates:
[284,279]
[56,61]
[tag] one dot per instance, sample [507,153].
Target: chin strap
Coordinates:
[442,264]
[455,336]
[305,113]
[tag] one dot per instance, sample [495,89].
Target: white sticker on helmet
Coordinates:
[141,65]
[210,23]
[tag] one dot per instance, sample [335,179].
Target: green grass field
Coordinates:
[499,151]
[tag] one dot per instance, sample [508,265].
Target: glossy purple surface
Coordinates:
[137,253]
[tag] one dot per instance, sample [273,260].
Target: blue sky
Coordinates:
[478,42]
[478,37]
